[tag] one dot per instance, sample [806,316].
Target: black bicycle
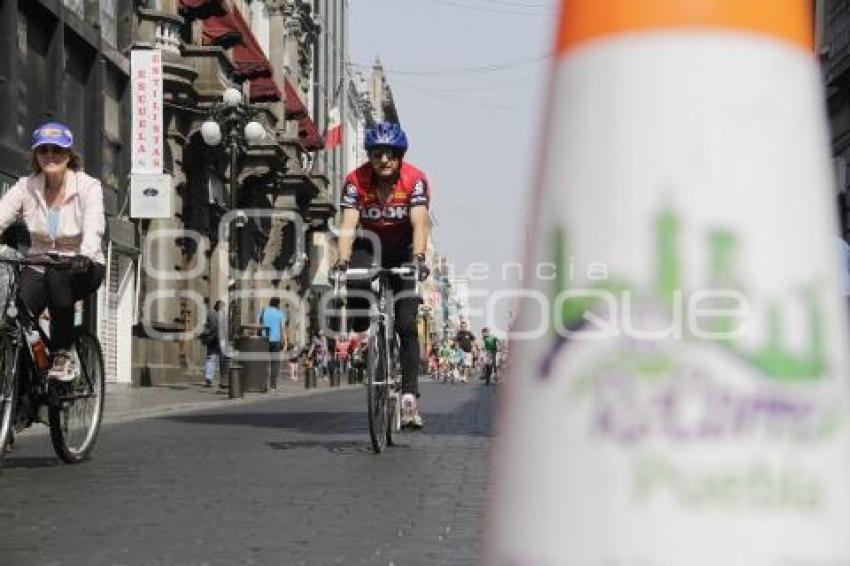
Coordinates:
[72,410]
[488,367]
[383,368]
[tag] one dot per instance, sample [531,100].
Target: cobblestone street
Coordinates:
[284,481]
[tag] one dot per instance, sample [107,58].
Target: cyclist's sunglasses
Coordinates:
[48,149]
[381,152]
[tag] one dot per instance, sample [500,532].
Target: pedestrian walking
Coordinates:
[211,339]
[341,354]
[273,321]
[319,352]
[293,355]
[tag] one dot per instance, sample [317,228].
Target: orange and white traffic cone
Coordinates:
[678,391]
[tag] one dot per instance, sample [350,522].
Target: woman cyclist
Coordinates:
[62,208]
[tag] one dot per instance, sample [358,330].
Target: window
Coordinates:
[109,21]
[35,96]
[81,114]
[113,154]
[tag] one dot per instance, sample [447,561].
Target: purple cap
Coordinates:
[52,133]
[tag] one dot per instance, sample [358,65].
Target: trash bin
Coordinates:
[310,379]
[255,372]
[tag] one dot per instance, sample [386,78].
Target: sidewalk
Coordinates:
[144,402]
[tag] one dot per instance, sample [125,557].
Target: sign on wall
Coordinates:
[147,130]
[150,196]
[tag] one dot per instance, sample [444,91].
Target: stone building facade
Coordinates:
[268,49]
[70,60]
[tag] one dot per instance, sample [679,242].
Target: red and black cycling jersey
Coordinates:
[390,220]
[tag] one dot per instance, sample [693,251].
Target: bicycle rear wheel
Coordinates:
[377,388]
[8,389]
[76,408]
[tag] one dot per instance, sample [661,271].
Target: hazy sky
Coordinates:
[467,77]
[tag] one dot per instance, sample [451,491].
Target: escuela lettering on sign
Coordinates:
[147,129]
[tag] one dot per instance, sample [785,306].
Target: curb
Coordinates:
[192,406]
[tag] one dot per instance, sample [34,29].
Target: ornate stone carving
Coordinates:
[276,6]
[303,28]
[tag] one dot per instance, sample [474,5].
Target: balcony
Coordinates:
[160,30]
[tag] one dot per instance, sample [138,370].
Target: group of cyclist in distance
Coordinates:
[387,199]
[456,359]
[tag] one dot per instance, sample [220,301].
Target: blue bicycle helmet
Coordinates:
[386,134]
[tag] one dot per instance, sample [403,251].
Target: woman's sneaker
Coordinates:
[65,366]
[410,417]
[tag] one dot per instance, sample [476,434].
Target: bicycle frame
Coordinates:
[381,314]
[381,327]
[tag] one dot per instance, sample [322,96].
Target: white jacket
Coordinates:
[81,219]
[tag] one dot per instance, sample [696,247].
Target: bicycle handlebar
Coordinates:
[358,272]
[62,261]
[403,271]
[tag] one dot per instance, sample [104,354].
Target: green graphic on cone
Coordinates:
[774,359]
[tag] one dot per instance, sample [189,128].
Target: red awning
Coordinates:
[264,89]
[309,136]
[231,30]
[249,56]
[200,4]
[221,30]
[295,109]
[308,133]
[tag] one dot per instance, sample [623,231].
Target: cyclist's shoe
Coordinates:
[65,366]
[410,417]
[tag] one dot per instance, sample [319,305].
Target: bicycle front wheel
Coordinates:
[377,388]
[8,390]
[76,408]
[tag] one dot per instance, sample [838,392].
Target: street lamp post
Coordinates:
[231,121]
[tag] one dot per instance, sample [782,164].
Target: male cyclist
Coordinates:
[491,353]
[466,341]
[388,198]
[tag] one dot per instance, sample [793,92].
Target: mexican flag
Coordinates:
[333,135]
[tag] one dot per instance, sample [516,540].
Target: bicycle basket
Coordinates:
[7,277]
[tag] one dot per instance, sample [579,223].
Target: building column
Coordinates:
[277,32]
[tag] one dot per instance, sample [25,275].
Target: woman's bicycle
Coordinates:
[72,410]
[383,369]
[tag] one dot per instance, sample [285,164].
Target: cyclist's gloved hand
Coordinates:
[339,269]
[80,264]
[421,265]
